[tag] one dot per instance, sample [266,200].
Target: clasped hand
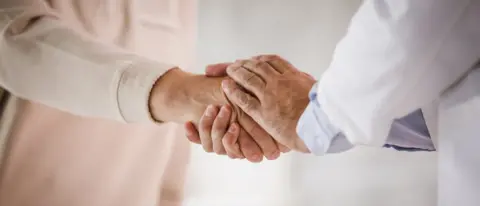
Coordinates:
[267,96]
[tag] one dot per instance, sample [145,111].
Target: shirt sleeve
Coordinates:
[46,61]
[397,56]
[409,133]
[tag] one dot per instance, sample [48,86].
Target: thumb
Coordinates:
[217,70]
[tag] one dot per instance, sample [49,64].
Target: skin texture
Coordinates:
[273,92]
[270,90]
[174,101]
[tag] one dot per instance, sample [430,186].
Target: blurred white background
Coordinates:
[304,32]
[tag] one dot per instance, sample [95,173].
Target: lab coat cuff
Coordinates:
[310,131]
[134,89]
[314,128]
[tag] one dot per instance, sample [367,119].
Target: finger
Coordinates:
[219,128]
[229,140]
[264,57]
[278,63]
[257,57]
[261,68]
[266,143]
[249,147]
[217,70]
[282,65]
[205,127]
[240,98]
[247,79]
[309,75]
[192,133]
[283,148]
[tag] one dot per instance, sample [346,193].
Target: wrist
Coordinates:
[205,90]
[180,96]
[168,94]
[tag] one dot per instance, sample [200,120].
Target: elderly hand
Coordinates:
[253,141]
[218,124]
[273,92]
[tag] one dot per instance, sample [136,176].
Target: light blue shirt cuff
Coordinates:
[316,131]
[320,136]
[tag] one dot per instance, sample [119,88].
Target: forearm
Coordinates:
[397,56]
[45,61]
[408,133]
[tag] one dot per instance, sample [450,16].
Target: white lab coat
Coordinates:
[401,55]
[458,142]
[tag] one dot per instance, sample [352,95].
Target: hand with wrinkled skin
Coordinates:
[248,139]
[218,124]
[273,92]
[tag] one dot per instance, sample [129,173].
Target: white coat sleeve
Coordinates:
[397,56]
[44,60]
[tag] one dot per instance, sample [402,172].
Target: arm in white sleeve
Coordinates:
[397,56]
[409,133]
[44,60]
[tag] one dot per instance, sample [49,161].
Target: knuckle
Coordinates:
[263,65]
[233,69]
[244,100]
[256,64]
[250,107]
[250,64]
[275,57]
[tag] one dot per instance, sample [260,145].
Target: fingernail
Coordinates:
[233,128]
[210,111]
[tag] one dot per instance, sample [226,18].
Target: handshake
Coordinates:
[247,109]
